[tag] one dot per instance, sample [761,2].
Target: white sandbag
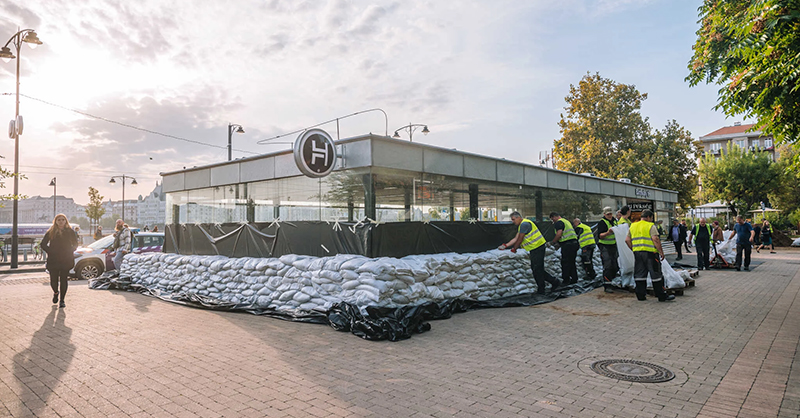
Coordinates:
[796,243]
[625,259]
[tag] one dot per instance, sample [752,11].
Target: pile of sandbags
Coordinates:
[307,283]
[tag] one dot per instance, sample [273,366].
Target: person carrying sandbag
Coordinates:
[647,253]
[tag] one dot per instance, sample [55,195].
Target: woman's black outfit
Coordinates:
[60,248]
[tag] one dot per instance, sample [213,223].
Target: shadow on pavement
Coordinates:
[38,368]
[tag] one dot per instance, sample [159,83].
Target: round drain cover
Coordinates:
[632,371]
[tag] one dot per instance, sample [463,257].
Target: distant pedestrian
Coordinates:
[757,236]
[744,241]
[701,236]
[766,237]
[60,242]
[685,232]
[98,233]
[155,228]
[678,236]
[77,230]
[145,229]
[587,243]
[122,243]
[660,228]
[717,236]
[648,254]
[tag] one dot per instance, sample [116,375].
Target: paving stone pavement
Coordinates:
[731,341]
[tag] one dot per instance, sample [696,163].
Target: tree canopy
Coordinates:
[740,178]
[95,209]
[752,48]
[604,133]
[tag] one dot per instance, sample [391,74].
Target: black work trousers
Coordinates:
[702,253]
[610,256]
[646,262]
[746,249]
[587,253]
[539,273]
[59,277]
[569,252]
[678,249]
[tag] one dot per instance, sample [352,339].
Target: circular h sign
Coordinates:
[314,153]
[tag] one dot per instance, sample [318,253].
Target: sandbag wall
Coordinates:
[297,282]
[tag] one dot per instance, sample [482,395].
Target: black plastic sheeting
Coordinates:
[322,239]
[372,323]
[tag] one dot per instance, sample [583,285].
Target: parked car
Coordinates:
[94,259]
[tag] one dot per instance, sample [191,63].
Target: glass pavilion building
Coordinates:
[391,180]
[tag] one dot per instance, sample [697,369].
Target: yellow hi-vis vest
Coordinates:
[586,237]
[696,230]
[610,239]
[533,239]
[640,237]
[623,221]
[569,231]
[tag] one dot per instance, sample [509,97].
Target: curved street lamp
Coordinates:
[231,129]
[15,130]
[133,183]
[411,128]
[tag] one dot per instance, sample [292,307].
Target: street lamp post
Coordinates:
[53,183]
[28,36]
[133,183]
[411,128]
[238,129]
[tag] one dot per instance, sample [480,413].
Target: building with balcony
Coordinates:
[716,143]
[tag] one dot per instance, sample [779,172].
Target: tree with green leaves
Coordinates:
[786,196]
[752,49]
[740,178]
[95,209]
[604,133]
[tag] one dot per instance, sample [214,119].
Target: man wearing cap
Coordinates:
[587,243]
[531,240]
[607,244]
[568,240]
[647,254]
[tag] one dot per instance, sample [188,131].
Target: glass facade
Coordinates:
[385,195]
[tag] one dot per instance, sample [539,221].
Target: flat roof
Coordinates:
[372,150]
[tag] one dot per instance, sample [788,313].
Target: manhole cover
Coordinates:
[632,371]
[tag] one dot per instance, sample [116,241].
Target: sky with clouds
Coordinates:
[487,77]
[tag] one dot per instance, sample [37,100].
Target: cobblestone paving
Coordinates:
[731,341]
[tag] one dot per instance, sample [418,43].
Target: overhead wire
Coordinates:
[150,131]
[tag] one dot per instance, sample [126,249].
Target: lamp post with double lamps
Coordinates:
[15,130]
[232,127]
[133,183]
[411,128]
[53,183]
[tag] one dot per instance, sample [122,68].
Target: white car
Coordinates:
[94,259]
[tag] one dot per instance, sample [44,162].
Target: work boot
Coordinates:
[55,297]
[667,298]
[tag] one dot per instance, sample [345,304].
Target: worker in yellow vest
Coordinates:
[587,243]
[643,240]
[531,240]
[625,216]
[608,248]
[568,240]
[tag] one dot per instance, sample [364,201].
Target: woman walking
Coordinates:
[60,242]
[766,237]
